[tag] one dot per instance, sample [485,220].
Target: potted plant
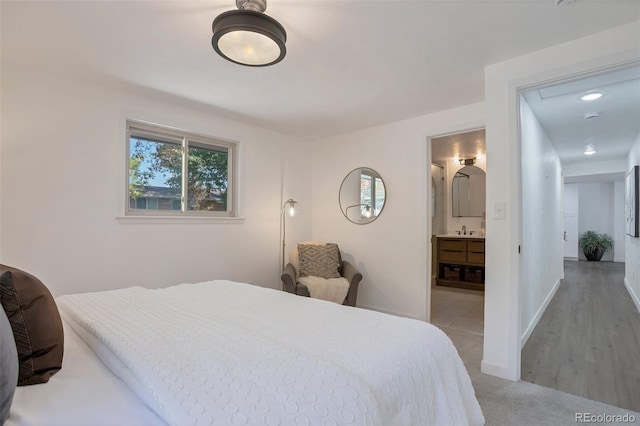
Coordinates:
[594,245]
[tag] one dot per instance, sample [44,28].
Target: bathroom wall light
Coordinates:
[249,37]
[468,161]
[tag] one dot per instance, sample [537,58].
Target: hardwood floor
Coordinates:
[587,342]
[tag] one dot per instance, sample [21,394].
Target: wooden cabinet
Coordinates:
[460,262]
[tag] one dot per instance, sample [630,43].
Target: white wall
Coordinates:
[391,252]
[598,207]
[596,211]
[632,246]
[542,225]
[502,80]
[571,207]
[63,174]
[437,208]
[594,168]
[618,222]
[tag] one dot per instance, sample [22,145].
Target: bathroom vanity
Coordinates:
[460,261]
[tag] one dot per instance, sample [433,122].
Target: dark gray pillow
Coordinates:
[8,366]
[319,260]
[36,325]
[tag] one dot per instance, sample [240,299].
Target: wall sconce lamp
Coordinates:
[290,208]
[368,211]
[468,161]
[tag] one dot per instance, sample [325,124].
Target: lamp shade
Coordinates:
[249,38]
[292,207]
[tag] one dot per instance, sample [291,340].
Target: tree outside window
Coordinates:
[173,173]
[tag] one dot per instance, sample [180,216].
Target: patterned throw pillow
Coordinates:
[319,260]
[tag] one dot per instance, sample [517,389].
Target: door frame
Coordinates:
[445,131]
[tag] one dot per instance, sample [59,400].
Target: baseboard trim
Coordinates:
[496,370]
[388,312]
[573,259]
[634,297]
[538,315]
[619,259]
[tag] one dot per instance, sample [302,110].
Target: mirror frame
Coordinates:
[343,209]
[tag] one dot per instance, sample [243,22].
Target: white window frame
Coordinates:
[186,139]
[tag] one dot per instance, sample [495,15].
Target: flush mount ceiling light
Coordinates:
[249,37]
[589,150]
[592,96]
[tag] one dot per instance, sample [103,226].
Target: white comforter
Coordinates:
[229,353]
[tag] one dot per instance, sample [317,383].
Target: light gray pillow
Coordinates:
[8,366]
[319,260]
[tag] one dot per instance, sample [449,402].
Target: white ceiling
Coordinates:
[562,115]
[350,64]
[612,133]
[460,145]
[599,178]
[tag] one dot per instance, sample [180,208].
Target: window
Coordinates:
[171,172]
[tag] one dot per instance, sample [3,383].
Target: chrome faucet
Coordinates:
[464,229]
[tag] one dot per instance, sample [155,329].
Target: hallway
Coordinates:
[587,342]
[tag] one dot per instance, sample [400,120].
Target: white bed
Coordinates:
[83,393]
[230,353]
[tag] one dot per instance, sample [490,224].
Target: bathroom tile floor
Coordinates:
[457,309]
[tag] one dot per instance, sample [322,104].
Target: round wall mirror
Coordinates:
[362,195]
[468,197]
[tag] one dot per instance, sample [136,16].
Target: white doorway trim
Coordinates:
[503,84]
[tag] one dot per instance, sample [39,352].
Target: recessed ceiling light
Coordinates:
[592,96]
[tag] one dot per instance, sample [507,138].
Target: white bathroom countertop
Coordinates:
[460,236]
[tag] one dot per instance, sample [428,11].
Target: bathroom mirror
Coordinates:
[469,192]
[362,195]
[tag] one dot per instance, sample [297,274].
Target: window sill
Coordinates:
[167,220]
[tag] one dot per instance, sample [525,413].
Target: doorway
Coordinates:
[458,164]
[574,159]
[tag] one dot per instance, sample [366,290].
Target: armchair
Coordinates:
[291,274]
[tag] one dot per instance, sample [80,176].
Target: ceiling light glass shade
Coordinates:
[249,38]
